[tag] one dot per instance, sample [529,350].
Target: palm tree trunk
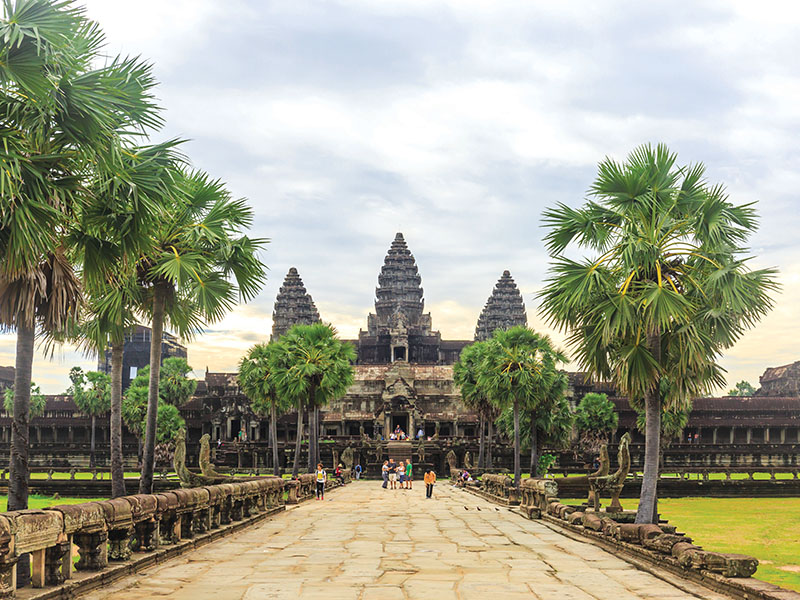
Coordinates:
[482,441]
[517,466]
[157,330]
[490,445]
[18,461]
[534,449]
[317,451]
[273,432]
[652,442]
[117,470]
[91,447]
[298,441]
[310,438]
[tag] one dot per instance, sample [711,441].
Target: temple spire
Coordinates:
[504,309]
[293,306]
[399,285]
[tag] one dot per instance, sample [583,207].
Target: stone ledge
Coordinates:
[82,584]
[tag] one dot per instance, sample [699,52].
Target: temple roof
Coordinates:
[399,285]
[504,309]
[293,306]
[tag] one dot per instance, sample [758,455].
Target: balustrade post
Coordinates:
[58,563]
[93,550]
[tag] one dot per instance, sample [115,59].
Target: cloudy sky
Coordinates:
[457,122]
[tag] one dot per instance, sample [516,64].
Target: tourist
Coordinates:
[385,473]
[420,434]
[429,479]
[392,474]
[321,478]
[408,475]
[339,474]
[401,474]
[358,472]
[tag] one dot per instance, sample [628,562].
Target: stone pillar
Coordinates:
[733,429]
[38,434]
[387,425]
[766,435]
[749,434]
[71,435]
[714,435]
[783,435]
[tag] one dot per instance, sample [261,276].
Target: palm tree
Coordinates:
[518,369]
[257,381]
[312,367]
[38,401]
[666,289]
[93,400]
[198,267]
[465,376]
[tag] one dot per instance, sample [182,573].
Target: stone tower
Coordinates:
[293,306]
[399,289]
[504,309]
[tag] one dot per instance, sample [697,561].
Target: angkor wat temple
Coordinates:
[404,377]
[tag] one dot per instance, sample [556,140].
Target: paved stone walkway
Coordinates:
[366,543]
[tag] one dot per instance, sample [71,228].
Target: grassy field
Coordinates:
[767,528]
[46,501]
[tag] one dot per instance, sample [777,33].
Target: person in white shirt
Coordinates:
[321,477]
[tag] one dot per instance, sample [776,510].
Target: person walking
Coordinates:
[321,477]
[429,479]
[409,472]
[385,473]
[358,472]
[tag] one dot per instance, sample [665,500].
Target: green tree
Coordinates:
[312,367]
[518,370]
[743,388]
[465,376]
[38,401]
[547,422]
[257,381]
[666,289]
[64,104]
[595,419]
[198,267]
[91,393]
[134,409]
[175,387]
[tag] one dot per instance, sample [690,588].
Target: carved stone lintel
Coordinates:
[93,551]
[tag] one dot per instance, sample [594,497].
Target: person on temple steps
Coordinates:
[321,477]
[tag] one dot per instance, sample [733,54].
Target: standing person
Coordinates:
[358,472]
[321,478]
[401,475]
[392,474]
[409,477]
[385,473]
[430,479]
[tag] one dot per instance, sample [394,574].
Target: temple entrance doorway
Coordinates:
[402,421]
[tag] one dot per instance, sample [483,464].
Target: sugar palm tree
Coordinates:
[465,376]
[312,367]
[517,371]
[257,381]
[91,393]
[666,287]
[197,269]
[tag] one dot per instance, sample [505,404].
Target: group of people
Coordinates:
[398,434]
[403,473]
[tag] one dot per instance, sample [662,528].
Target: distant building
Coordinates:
[781,381]
[6,377]
[136,353]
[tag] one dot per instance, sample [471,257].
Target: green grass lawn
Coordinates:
[767,528]
[46,501]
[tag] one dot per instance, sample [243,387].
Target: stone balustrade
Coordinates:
[305,486]
[658,542]
[536,494]
[495,487]
[111,530]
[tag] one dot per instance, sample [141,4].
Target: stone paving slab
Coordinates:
[367,543]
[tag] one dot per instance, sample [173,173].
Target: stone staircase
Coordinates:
[399,451]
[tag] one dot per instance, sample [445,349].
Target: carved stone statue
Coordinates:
[602,470]
[614,482]
[189,479]
[206,466]
[347,458]
[452,462]
[421,452]
[468,460]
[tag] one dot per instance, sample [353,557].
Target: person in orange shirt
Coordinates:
[429,479]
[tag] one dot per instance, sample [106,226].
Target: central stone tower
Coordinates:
[398,330]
